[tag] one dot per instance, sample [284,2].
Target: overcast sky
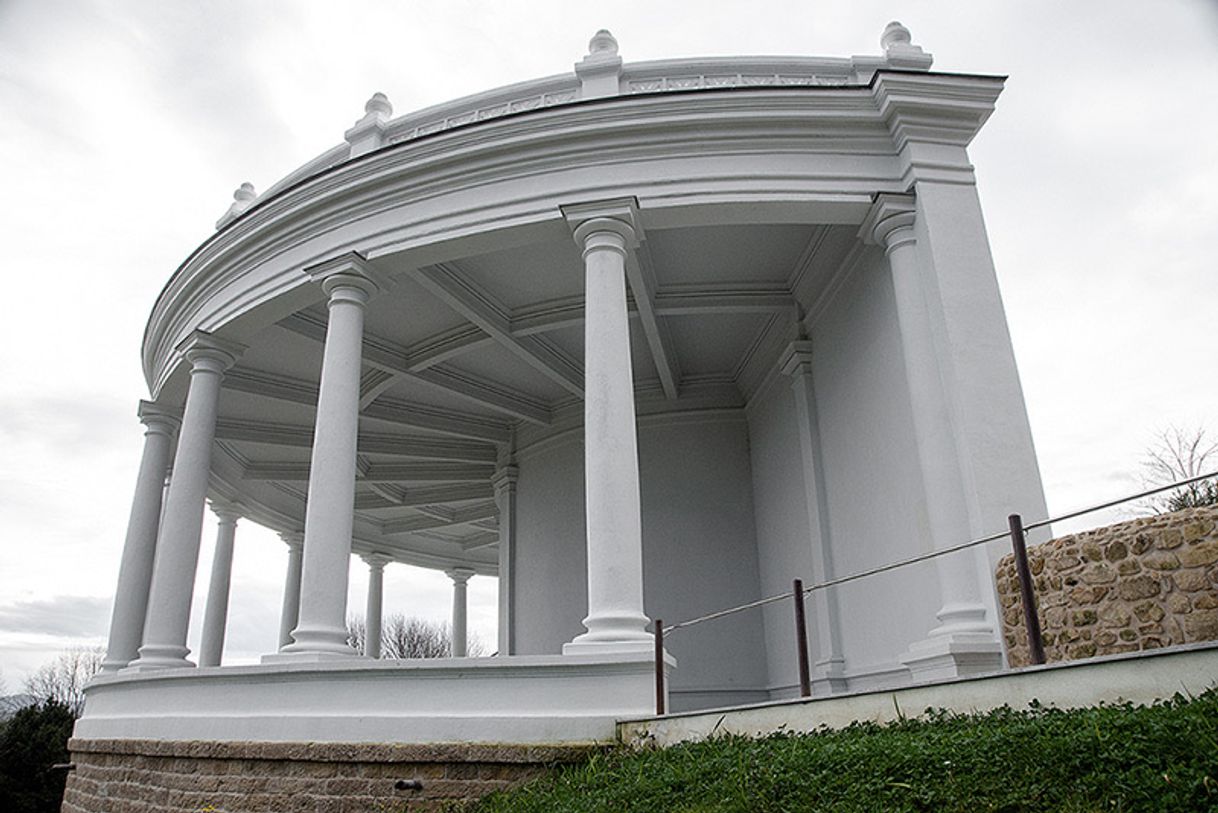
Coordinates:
[126,125]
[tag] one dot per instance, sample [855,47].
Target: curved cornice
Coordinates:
[481,182]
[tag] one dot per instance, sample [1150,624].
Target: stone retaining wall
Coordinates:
[153,776]
[1147,583]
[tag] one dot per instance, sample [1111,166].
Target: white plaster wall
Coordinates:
[783,538]
[551,587]
[873,486]
[699,551]
[874,483]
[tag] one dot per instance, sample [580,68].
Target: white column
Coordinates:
[290,613]
[963,642]
[139,549]
[504,482]
[215,617]
[828,674]
[615,620]
[460,577]
[177,556]
[329,518]
[376,601]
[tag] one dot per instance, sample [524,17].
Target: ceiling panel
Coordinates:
[717,255]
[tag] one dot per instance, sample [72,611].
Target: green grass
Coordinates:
[1112,758]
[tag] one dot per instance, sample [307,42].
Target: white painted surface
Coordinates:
[139,548]
[1137,678]
[322,626]
[215,616]
[177,553]
[554,700]
[289,613]
[612,512]
[699,553]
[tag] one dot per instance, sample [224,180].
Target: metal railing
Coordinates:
[1016,532]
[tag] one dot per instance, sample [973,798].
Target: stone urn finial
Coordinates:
[378,106]
[603,44]
[895,34]
[243,198]
[899,50]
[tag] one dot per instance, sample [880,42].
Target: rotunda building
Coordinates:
[640,340]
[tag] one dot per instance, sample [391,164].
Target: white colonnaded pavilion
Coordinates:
[645,339]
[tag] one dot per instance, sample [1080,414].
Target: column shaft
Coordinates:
[615,618]
[182,525]
[963,642]
[460,577]
[290,613]
[329,519]
[215,618]
[376,604]
[505,498]
[139,549]
[829,670]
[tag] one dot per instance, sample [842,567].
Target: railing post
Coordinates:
[1031,621]
[659,636]
[801,639]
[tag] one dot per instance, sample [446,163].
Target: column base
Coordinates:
[829,677]
[154,658]
[580,647]
[942,657]
[314,645]
[607,634]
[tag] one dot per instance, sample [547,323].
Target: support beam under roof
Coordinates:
[450,285]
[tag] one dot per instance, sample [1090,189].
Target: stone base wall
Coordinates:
[153,776]
[1143,584]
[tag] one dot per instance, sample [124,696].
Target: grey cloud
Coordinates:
[83,422]
[66,616]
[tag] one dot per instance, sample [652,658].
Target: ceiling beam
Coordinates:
[407,446]
[457,516]
[420,472]
[418,496]
[445,421]
[394,360]
[695,301]
[402,413]
[486,539]
[448,283]
[641,273]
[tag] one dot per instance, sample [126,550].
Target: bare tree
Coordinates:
[403,637]
[64,679]
[356,633]
[1179,454]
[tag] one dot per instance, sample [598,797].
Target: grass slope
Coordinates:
[1112,758]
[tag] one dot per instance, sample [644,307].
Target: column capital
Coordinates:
[377,561]
[889,222]
[460,575]
[617,216]
[347,278]
[159,419]
[796,359]
[293,539]
[207,351]
[227,510]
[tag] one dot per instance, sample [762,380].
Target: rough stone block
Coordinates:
[1136,587]
[1200,554]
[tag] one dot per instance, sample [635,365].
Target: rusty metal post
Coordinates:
[1027,596]
[801,639]
[659,636]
